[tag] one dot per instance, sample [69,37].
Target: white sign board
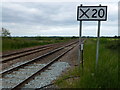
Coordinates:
[92,13]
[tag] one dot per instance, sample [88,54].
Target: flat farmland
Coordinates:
[14,43]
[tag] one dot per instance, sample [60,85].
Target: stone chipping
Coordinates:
[48,75]
[45,78]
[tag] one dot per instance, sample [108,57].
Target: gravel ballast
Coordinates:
[45,78]
[12,79]
[48,76]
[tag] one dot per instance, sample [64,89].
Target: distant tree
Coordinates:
[73,37]
[115,36]
[5,33]
[88,36]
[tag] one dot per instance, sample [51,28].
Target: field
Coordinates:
[105,75]
[23,42]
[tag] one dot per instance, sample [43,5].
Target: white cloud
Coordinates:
[20,8]
[54,19]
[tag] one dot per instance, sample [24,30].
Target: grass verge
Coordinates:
[106,74]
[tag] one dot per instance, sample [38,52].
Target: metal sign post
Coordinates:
[98,41]
[80,40]
[91,13]
[80,34]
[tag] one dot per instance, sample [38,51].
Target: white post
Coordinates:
[79,47]
[80,32]
[97,49]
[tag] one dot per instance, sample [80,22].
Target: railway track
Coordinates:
[19,52]
[11,58]
[17,58]
[15,55]
[12,78]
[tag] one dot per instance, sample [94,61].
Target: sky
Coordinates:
[55,18]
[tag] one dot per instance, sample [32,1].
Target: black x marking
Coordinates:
[84,13]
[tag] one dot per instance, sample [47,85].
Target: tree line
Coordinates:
[6,33]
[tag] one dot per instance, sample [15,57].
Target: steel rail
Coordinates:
[35,59]
[5,59]
[18,86]
[14,53]
[22,55]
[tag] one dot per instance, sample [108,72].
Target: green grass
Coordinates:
[106,74]
[0,44]
[23,42]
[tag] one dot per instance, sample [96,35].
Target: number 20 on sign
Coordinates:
[92,13]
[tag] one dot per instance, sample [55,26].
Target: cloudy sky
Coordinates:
[55,18]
